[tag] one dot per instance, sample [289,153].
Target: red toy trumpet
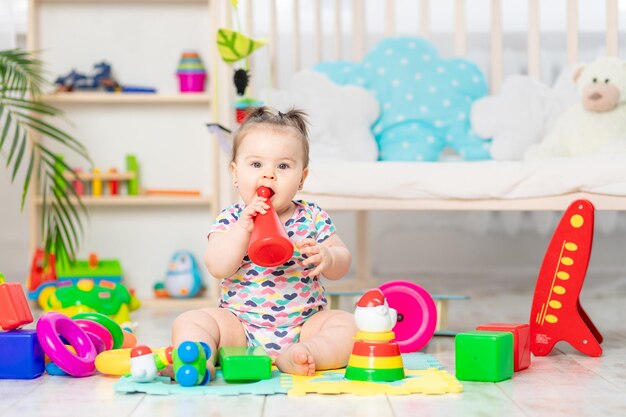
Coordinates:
[269,244]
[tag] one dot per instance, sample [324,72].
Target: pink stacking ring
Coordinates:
[98,330]
[52,325]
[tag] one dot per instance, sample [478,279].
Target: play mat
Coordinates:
[424,375]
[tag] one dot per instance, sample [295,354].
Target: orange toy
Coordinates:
[39,273]
[556,313]
[269,244]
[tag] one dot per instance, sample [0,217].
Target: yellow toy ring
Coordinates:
[117,361]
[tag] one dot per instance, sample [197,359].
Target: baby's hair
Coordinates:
[294,119]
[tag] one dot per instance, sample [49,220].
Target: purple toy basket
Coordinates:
[191,83]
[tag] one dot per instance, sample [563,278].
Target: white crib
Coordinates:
[331,26]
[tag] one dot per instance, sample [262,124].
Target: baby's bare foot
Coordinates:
[210,367]
[297,360]
[167,371]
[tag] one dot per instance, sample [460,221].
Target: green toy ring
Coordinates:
[108,323]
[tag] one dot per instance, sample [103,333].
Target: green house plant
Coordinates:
[23,117]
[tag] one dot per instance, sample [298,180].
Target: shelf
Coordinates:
[126,98]
[104,176]
[141,200]
[125,1]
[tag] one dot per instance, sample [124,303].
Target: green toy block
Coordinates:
[241,363]
[484,356]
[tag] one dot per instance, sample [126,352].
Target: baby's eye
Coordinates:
[607,81]
[595,80]
[255,164]
[283,166]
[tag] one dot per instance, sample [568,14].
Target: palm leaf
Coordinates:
[233,46]
[22,113]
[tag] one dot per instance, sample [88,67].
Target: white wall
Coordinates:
[174,151]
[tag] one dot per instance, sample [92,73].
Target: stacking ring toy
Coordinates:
[50,328]
[108,323]
[114,362]
[99,331]
[117,362]
[417,314]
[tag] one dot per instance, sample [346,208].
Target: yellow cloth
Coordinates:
[429,381]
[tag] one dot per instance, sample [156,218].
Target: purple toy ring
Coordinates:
[52,325]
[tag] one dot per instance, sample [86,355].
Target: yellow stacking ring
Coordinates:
[117,361]
[375,336]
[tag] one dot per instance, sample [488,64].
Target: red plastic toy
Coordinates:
[269,244]
[14,309]
[40,274]
[521,341]
[556,313]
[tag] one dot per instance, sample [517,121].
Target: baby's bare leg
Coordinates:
[326,342]
[213,326]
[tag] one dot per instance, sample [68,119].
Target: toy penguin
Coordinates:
[183,279]
[373,314]
[142,364]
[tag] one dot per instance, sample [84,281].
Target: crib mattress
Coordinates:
[604,175]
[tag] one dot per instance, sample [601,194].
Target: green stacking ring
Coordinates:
[377,375]
[108,323]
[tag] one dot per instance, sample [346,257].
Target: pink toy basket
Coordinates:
[191,83]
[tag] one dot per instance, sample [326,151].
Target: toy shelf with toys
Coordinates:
[123,92]
[113,188]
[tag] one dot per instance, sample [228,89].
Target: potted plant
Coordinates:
[23,116]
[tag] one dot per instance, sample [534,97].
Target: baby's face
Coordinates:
[270,158]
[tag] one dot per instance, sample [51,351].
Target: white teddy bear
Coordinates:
[340,116]
[521,114]
[597,123]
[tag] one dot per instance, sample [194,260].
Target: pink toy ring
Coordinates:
[98,331]
[417,314]
[52,325]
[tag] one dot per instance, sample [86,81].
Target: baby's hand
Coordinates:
[318,255]
[257,205]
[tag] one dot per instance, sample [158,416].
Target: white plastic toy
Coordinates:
[373,314]
[142,364]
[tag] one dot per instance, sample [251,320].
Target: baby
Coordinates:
[281,309]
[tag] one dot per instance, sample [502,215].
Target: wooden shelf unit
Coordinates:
[81,97]
[207,15]
[124,1]
[144,200]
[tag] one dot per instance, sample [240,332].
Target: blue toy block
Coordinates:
[21,356]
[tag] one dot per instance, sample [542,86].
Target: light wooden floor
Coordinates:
[564,383]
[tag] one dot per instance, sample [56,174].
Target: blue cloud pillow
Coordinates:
[425,100]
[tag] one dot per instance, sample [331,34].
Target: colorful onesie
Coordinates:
[273,303]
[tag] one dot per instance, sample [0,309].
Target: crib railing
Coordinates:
[359,30]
